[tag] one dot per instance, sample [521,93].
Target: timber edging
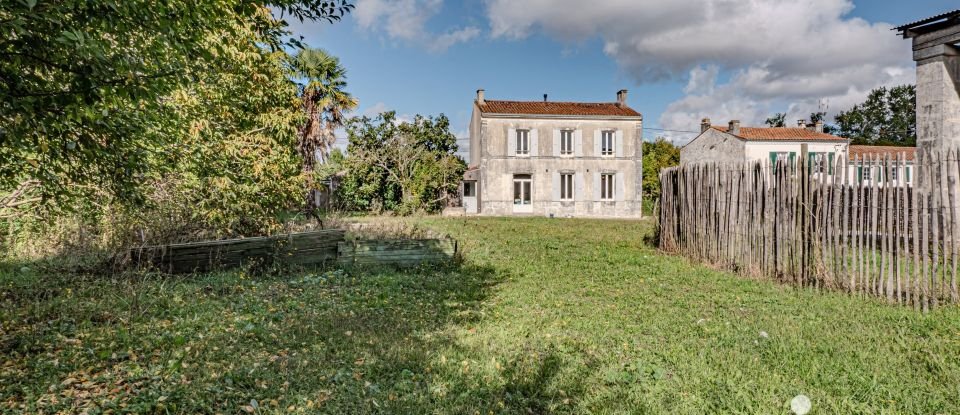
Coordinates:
[303,249]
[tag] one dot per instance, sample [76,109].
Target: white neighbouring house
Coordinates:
[867,170]
[734,144]
[577,159]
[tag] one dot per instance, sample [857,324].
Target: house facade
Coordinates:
[566,159]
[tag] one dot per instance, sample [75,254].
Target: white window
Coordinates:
[783,156]
[566,142]
[606,186]
[522,143]
[867,173]
[607,142]
[522,189]
[566,186]
[893,173]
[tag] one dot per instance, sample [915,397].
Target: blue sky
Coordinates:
[721,59]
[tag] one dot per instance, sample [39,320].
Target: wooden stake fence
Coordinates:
[882,237]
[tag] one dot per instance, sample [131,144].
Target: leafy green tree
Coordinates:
[777,120]
[887,117]
[401,166]
[84,84]
[657,155]
[324,101]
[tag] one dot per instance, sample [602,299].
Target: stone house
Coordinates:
[566,159]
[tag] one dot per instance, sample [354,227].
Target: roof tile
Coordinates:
[892,151]
[782,133]
[557,108]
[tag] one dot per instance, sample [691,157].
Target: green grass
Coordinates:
[570,316]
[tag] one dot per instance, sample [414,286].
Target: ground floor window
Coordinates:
[566,186]
[469,189]
[606,186]
[522,187]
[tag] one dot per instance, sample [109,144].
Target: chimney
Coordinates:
[544,97]
[734,127]
[802,123]
[818,127]
[480,100]
[704,125]
[622,97]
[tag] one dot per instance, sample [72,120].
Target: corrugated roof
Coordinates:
[781,134]
[942,16]
[872,151]
[557,108]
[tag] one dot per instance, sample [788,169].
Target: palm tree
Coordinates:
[325,102]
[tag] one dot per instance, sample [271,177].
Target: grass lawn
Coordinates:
[572,316]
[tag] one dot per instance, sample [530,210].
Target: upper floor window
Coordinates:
[523,142]
[607,143]
[606,186]
[566,142]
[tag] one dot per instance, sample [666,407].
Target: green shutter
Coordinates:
[830,160]
[859,174]
[773,158]
[793,156]
[908,173]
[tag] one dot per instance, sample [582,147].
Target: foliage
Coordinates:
[657,155]
[887,117]
[777,120]
[84,83]
[543,318]
[400,166]
[324,101]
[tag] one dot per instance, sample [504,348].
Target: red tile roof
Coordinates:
[782,134]
[857,150]
[557,108]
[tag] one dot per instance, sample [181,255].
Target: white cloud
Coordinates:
[375,110]
[406,20]
[774,55]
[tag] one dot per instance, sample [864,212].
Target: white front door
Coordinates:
[470,191]
[522,194]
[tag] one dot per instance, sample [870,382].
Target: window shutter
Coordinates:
[578,186]
[830,160]
[511,142]
[618,144]
[793,156]
[859,174]
[596,187]
[556,143]
[534,139]
[619,189]
[596,142]
[556,186]
[773,159]
[578,143]
[908,173]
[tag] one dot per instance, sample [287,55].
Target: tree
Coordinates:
[777,120]
[84,83]
[886,117]
[324,102]
[401,166]
[657,155]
